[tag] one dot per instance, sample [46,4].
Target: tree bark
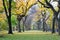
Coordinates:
[43,25]
[23,24]
[53,25]
[10,27]
[24,20]
[38,27]
[58,24]
[8,15]
[23,27]
[54,19]
[19,27]
[59,27]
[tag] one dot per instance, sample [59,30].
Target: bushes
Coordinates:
[3,25]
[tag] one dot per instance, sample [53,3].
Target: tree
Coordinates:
[3,25]
[59,17]
[43,13]
[8,15]
[22,9]
[49,5]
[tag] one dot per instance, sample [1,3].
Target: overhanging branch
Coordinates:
[50,6]
[29,7]
[43,4]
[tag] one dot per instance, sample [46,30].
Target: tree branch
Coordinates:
[50,5]
[43,4]
[59,6]
[47,18]
[9,9]
[26,6]
[18,7]
[5,8]
[29,7]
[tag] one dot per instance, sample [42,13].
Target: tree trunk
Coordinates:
[8,15]
[59,27]
[24,22]
[53,25]
[10,26]
[38,25]
[43,25]
[19,27]
[23,27]
[59,24]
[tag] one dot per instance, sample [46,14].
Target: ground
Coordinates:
[30,35]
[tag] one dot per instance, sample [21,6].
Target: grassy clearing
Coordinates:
[31,36]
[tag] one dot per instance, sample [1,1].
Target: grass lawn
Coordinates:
[31,36]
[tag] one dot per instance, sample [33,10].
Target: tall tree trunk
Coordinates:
[8,14]
[43,25]
[19,27]
[24,20]
[23,24]
[38,27]
[59,24]
[9,17]
[59,27]
[53,25]
[59,18]
[19,17]
[54,19]
[23,27]
[10,26]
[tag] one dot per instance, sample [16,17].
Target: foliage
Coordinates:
[14,20]
[3,25]
[3,22]
[22,7]
[1,6]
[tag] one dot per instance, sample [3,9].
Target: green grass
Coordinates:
[31,36]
